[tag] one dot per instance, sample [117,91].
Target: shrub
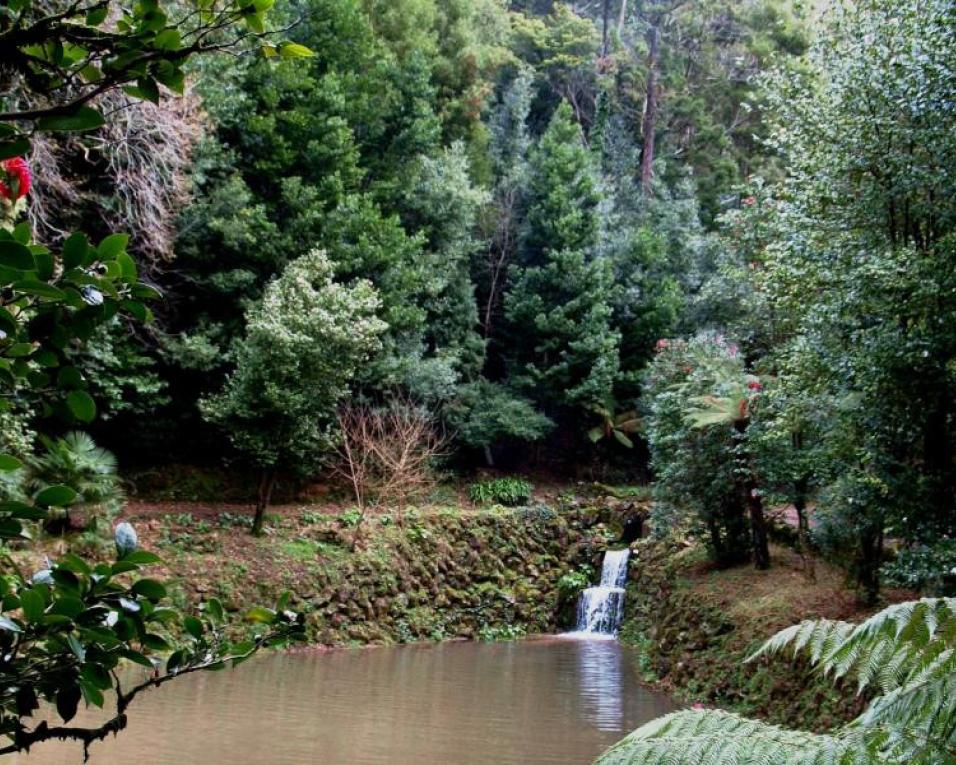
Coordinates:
[697,487]
[572,583]
[510,492]
[929,567]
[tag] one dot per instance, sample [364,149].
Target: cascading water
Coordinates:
[601,608]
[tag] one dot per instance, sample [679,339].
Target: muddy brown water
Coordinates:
[530,702]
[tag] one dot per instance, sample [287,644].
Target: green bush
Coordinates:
[927,567]
[510,492]
[572,583]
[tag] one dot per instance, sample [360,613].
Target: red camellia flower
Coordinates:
[17,173]
[662,344]
[749,200]
[754,385]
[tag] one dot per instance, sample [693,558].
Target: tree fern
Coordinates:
[907,651]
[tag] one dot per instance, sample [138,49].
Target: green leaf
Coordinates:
[19,350]
[81,404]
[68,606]
[261,615]
[140,558]
[127,266]
[145,88]
[76,646]
[9,463]
[91,693]
[97,16]
[193,626]
[623,440]
[136,657]
[174,661]
[74,563]
[168,39]
[15,255]
[74,250]
[294,50]
[39,289]
[69,377]
[84,118]
[22,510]
[33,605]
[149,588]
[112,246]
[18,147]
[283,603]
[10,528]
[216,612]
[56,496]
[155,642]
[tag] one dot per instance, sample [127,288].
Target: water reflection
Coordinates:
[601,678]
[533,702]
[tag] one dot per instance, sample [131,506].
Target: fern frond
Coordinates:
[721,738]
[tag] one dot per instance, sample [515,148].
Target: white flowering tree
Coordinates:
[304,342]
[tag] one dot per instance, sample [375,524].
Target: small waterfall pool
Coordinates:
[601,608]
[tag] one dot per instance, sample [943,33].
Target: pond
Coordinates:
[547,701]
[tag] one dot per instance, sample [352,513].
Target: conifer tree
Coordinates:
[563,349]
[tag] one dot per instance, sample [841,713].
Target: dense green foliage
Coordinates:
[509,492]
[706,243]
[838,283]
[469,161]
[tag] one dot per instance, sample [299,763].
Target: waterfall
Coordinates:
[601,608]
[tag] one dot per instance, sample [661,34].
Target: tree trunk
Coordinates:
[489,458]
[803,527]
[605,27]
[622,17]
[758,523]
[649,126]
[267,481]
[871,556]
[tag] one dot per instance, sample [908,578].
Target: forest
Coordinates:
[336,323]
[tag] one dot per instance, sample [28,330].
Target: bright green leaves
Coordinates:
[83,119]
[52,301]
[294,50]
[287,50]
[261,615]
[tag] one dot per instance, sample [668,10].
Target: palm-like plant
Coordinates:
[76,460]
[730,404]
[907,651]
[617,426]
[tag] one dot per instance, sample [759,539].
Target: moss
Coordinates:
[437,575]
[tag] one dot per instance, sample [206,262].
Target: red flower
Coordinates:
[754,385]
[749,200]
[18,172]
[662,344]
